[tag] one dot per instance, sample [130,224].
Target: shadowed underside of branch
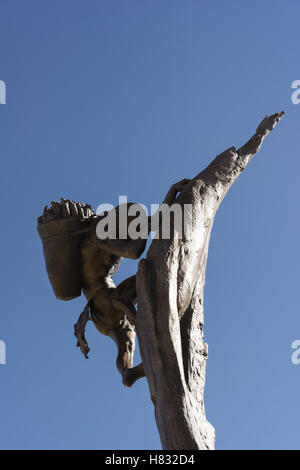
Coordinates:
[170,283]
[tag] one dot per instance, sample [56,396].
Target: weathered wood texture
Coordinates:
[170,284]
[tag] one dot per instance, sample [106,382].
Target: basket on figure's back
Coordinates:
[61,229]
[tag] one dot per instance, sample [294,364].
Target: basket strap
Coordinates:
[67,234]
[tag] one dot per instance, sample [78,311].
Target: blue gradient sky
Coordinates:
[127,97]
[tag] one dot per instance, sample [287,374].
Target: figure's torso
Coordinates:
[98,267]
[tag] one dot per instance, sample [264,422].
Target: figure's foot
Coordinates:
[130,376]
[79,331]
[125,306]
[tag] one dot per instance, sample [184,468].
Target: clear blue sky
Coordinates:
[127,97]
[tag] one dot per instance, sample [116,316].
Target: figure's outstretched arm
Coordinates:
[175,189]
[125,248]
[133,248]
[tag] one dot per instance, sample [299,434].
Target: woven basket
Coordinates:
[61,243]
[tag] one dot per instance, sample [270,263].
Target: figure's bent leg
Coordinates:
[124,298]
[132,375]
[124,336]
[125,306]
[127,288]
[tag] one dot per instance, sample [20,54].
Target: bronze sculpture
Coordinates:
[77,260]
[168,288]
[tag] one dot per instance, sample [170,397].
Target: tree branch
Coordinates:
[170,284]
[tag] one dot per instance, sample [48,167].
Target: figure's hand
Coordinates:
[180,185]
[268,123]
[173,191]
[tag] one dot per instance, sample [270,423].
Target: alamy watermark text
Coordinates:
[2,92]
[2,352]
[132,221]
[296,94]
